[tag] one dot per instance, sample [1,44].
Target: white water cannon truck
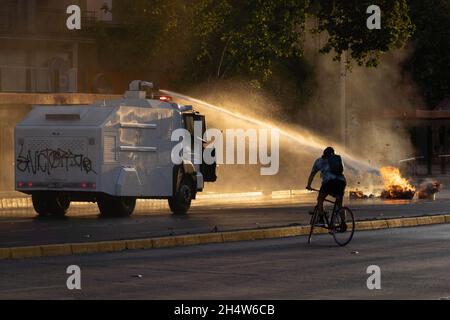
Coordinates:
[111,152]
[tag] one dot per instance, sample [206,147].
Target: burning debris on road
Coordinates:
[395,186]
[398,187]
[359,195]
[397,192]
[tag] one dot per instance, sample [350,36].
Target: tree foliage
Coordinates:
[430,61]
[345,23]
[144,28]
[210,39]
[246,36]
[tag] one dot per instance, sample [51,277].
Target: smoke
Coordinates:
[299,147]
[376,99]
[376,102]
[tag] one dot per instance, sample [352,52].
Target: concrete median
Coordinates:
[206,238]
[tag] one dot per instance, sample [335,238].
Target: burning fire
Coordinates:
[395,186]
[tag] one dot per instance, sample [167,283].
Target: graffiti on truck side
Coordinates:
[47,160]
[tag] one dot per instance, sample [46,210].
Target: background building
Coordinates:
[42,62]
[39,54]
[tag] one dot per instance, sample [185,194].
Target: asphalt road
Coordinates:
[22,228]
[413,261]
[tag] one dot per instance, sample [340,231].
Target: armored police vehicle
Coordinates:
[111,152]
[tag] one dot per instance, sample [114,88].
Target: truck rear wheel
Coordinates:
[50,204]
[181,202]
[111,206]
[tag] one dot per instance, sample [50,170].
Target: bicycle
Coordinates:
[342,233]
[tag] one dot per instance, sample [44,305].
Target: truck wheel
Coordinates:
[50,205]
[111,206]
[181,202]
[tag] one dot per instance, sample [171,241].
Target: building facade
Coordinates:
[42,62]
[37,51]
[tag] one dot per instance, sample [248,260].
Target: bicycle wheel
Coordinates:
[312,224]
[342,226]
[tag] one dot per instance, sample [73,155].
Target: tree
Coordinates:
[429,63]
[205,39]
[345,23]
[143,29]
[246,36]
[200,40]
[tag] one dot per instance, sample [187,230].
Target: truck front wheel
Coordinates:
[181,202]
[111,206]
[50,204]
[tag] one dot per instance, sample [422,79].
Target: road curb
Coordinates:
[68,249]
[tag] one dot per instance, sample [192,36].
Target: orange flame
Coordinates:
[394,180]
[395,186]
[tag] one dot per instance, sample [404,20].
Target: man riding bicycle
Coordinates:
[331,170]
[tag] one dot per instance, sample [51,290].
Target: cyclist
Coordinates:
[331,170]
